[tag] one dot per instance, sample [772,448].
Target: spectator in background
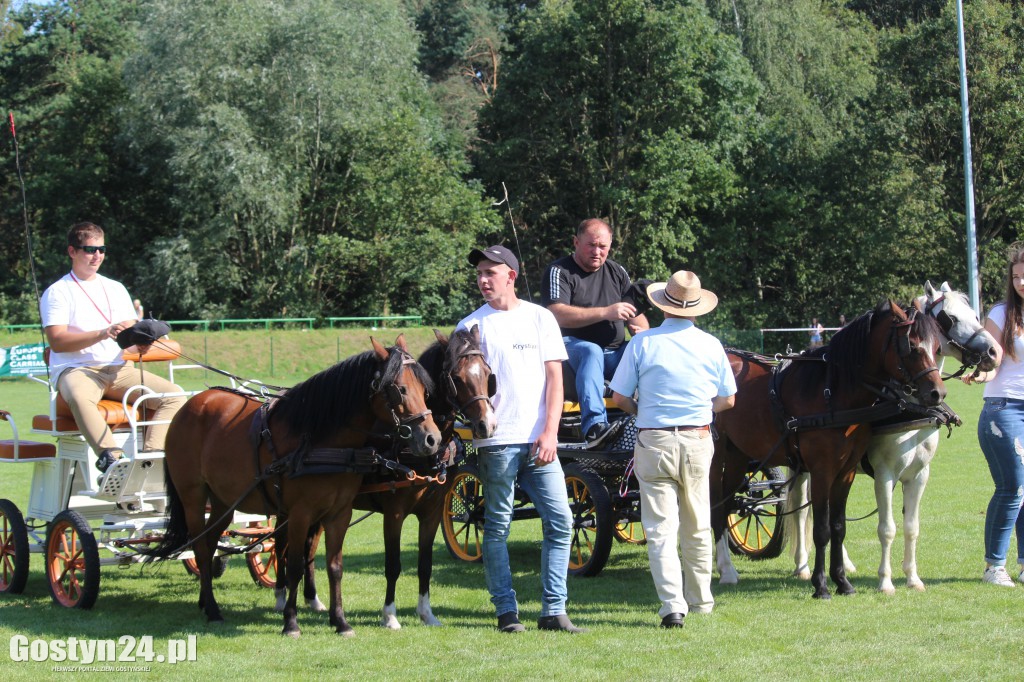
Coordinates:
[816,333]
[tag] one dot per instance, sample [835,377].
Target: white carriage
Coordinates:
[79,520]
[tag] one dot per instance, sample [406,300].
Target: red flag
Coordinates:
[10,119]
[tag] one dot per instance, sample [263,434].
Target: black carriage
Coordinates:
[605,500]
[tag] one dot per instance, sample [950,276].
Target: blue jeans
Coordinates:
[592,365]
[500,466]
[1001,436]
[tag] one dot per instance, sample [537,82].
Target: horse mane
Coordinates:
[330,399]
[843,355]
[436,357]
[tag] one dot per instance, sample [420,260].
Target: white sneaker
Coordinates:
[997,575]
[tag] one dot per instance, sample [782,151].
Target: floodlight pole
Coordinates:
[972,245]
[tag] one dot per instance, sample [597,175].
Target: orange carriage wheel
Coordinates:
[13,549]
[462,523]
[72,561]
[756,530]
[220,564]
[263,564]
[630,532]
[592,521]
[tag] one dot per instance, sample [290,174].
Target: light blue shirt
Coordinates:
[678,369]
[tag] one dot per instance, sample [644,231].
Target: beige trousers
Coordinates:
[673,470]
[83,387]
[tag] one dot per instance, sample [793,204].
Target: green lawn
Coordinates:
[767,627]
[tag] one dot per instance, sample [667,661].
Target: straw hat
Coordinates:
[682,295]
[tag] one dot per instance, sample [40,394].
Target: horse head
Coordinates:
[912,344]
[467,380]
[399,396]
[965,336]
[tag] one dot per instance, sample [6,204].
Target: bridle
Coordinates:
[395,399]
[452,392]
[904,349]
[968,357]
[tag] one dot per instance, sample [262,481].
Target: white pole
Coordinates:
[973,278]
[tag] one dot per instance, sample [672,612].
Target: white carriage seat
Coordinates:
[17,450]
[60,420]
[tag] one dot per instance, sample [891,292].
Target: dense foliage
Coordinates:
[339,157]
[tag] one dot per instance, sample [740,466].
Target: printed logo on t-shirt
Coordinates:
[524,346]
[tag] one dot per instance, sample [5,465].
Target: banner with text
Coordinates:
[22,360]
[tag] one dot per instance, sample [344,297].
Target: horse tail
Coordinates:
[176,537]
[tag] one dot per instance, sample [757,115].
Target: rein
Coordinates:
[452,391]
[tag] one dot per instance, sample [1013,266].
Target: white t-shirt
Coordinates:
[1009,381]
[516,344]
[86,306]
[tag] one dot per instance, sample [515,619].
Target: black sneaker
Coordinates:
[509,622]
[108,457]
[603,432]
[672,620]
[560,623]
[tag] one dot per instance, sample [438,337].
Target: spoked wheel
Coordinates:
[13,549]
[755,528]
[630,532]
[72,561]
[462,523]
[592,522]
[220,564]
[263,565]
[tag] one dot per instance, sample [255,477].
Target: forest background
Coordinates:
[320,158]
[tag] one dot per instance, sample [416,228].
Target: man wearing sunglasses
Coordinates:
[82,314]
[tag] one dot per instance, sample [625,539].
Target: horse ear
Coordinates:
[400,342]
[929,290]
[917,305]
[441,337]
[897,309]
[945,287]
[380,350]
[474,331]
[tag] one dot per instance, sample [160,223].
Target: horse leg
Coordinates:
[334,532]
[819,502]
[204,551]
[309,583]
[797,523]
[884,482]
[429,522]
[913,490]
[725,476]
[393,519]
[281,554]
[298,530]
[839,493]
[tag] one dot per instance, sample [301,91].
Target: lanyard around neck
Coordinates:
[110,310]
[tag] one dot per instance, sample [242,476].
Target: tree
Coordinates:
[293,150]
[638,112]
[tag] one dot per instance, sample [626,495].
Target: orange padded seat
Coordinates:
[163,350]
[27,450]
[112,410]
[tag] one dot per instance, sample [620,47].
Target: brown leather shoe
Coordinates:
[509,622]
[560,623]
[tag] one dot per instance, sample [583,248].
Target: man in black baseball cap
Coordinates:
[496,254]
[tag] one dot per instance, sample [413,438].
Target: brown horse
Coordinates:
[221,441]
[465,387]
[813,415]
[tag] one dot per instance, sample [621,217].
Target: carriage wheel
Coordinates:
[592,521]
[756,530]
[72,561]
[263,565]
[630,532]
[220,564]
[13,549]
[462,523]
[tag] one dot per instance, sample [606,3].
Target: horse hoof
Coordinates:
[824,595]
[391,623]
[846,591]
[918,586]
[315,604]
[294,634]
[887,589]
[802,574]
[349,632]
[729,576]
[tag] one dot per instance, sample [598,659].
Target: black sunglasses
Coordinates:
[93,249]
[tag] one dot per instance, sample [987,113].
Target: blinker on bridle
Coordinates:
[968,357]
[904,349]
[395,399]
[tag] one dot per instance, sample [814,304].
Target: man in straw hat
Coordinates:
[524,348]
[681,376]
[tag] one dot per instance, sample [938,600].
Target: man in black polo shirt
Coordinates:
[593,300]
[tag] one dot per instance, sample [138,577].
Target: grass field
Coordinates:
[767,627]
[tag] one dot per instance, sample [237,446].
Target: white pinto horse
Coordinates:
[900,453]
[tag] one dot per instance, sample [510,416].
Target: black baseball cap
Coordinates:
[497,254]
